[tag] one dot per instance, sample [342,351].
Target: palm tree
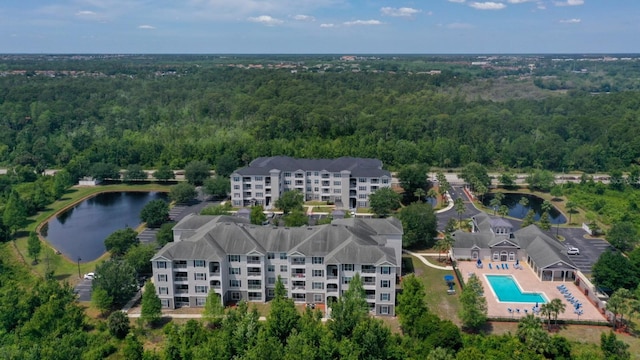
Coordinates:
[546,206]
[531,334]
[444,245]
[557,306]
[419,193]
[499,196]
[524,201]
[503,210]
[480,189]
[432,193]
[494,204]
[547,310]
[571,208]
[460,209]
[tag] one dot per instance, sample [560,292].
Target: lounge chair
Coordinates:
[502,265]
[506,266]
[526,311]
[518,311]
[490,266]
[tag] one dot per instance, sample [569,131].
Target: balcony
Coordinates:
[254,287]
[180,265]
[254,272]
[181,291]
[298,261]
[215,284]
[253,260]
[367,269]
[181,278]
[332,288]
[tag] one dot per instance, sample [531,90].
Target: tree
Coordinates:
[289,201]
[458,205]
[451,226]
[420,225]
[119,242]
[541,180]
[164,173]
[619,304]
[503,210]
[546,309]
[226,164]
[182,193]
[613,271]
[349,309]
[14,216]
[155,213]
[545,222]
[480,190]
[101,171]
[524,202]
[196,172]
[296,218]
[101,300]
[283,317]
[132,348]
[257,215]
[556,192]
[507,180]
[151,311]
[444,244]
[61,181]
[623,236]
[557,307]
[529,219]
[117,278]
[475,174]
[222,209]
[134,172]
[616,181]
[474,305]
[213,309]
[413,177]
[165,234]
[546,206]
[571,209]
[419,194]
[432,193]
[139,257]
[218,186]
[612,348]
[494,204]
[384,201]
[411,304]
[531,334]
[118,324]
[33,246]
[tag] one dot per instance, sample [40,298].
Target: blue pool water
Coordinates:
[507,290]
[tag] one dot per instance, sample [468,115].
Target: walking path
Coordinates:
[426,262]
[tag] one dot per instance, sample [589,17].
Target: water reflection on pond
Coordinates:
[80,231]
[518,211]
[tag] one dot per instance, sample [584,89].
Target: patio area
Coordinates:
[528,282]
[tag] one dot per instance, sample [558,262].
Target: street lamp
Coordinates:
[79,276]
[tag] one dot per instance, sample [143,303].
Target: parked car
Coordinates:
[89,276]
[573,251]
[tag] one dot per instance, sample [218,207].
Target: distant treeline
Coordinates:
[207,112]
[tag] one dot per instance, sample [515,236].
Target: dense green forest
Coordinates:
[167,112]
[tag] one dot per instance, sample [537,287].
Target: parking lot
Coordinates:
[590,249]
[83,289]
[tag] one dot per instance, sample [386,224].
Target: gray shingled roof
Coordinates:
[358,166]
[353,242]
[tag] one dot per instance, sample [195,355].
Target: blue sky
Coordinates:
[319,26]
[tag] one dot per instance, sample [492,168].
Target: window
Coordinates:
[201,289]
[198,263]
[236,195]
[362,188]
[385,296]
[271,268]
[237,202]
[234,271]
[284,281]
[308,173]
[318,273]
[347,267]
[283,256]
[234,258]
[236,187]
[384,310]
[317,286]
[201,301]
[283,268]
[287,174]
[163,290]
[287,182]
[316,182]
[308,188]
[346,279]
[337,191]
[362,204]
[385,270]
[385,180]
[271,255]
[200,276]
[362,196]
[259,194]
[271,293]
[271,280]
[161,264]
[374,188]
[236,178]
[162,277]
[235,295]
[385,283]
[337,175]
[299,175]
[317,298]
[235,283]
[337,183]
[315,173]
[165,303]
[316,189]
[317,260]
[362,180]
[258,178]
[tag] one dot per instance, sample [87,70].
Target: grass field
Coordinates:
[67,269]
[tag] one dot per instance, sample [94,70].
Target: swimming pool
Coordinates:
[506,289]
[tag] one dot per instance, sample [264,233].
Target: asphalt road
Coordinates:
[590,249]
[83,289]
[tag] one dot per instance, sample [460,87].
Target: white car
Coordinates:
[89,276]
[573,251]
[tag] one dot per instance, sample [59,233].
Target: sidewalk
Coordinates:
[425,261]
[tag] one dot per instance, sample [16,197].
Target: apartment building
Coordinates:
[240,261]
[346,181]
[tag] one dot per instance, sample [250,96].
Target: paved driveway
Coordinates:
[83,289]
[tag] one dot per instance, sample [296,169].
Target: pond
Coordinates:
[516,210]
[80,231]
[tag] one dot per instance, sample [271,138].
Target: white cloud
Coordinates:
[146,27]
[489,5]
[399,12]
[519,1]
[541,5]
[570,21]
[458,25]
[457,1]
[569,3]
[327,25]
[86,13]
[363,22]
[266,20]
[303,18]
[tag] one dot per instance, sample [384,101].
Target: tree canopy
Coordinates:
[289,201]
[119,242]
[155,213]
[384,201]
[420,225]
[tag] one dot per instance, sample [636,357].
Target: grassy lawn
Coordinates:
[315,203]
[325,209]
[439,302]
[67,269]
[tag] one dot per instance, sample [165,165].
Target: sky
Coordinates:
[319,26]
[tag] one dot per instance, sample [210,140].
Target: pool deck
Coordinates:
[528,282]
